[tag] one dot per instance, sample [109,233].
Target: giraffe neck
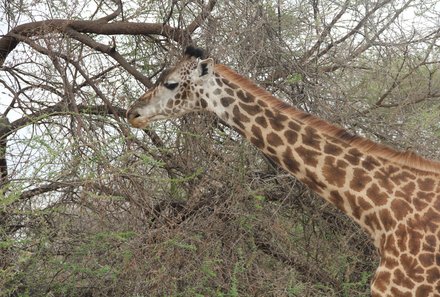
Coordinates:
[329,165]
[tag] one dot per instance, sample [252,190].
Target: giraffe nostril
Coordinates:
[131,115]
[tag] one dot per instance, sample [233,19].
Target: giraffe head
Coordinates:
[177,91]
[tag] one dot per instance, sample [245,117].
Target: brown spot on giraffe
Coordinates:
[245,96]
[390,263]
[291,136]
[370,163]
[430,244]
[412,269]
[371,220]
[229,91]
[240,117]
[262,103]
[387,219]
[238,125]
[377,196]
[250,109]
[311,138]
[294,126]
[334,171]
[356,210]
[257,138]
[274,140]
[400,208]
[421,201]
[383,176]
[337,200]
[289,161]
[360,179]
[423,290]
[276,124]
[383,278]
[226,101]
[426,259]
[433,274]
[430,221]
[407,191]
[313,182]
[310,157]
[364,204]
[390,246]
[426,184]
[332,149]
[353,156]
[261,121]
[402,177]
[203,103]
[401,279]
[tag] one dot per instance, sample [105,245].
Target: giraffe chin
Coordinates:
[139,123]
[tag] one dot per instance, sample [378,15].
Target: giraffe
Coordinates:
[394,196]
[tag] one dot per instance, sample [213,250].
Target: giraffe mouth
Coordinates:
[140,123]
[136,120]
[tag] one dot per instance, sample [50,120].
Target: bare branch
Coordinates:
[324,32]
[10,40]
[112,53]
[355,30]
[113,15]
[206,11]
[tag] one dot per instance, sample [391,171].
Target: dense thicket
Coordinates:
[91,207]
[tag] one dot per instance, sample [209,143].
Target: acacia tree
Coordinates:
[91,207]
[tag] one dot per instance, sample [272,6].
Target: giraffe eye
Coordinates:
[170,85]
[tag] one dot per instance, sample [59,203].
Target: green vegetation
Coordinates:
[91,207]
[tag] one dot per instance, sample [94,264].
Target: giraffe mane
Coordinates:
[409,159]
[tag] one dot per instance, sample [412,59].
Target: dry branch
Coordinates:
[10,40]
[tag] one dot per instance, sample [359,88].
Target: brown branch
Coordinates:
[355,30]
[44,189]
[206,11]
[10,40]
[60,109]
[4,124]
[57,110]
[85,39]
[368,42]
[324,33]
[299,264]
[396,81]
[114,14]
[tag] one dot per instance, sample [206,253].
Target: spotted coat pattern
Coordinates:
[394,197]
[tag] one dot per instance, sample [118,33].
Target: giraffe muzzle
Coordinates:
[135,119]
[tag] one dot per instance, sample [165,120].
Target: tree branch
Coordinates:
[10,40]
[300,265]
[114,14]
[206,11]
[355,30]
[324,32]
[112,53]
[56,110]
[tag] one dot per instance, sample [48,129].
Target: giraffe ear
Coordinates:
[205,68]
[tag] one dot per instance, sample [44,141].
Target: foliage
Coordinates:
[91,207]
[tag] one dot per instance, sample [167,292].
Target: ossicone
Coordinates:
[195,52]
